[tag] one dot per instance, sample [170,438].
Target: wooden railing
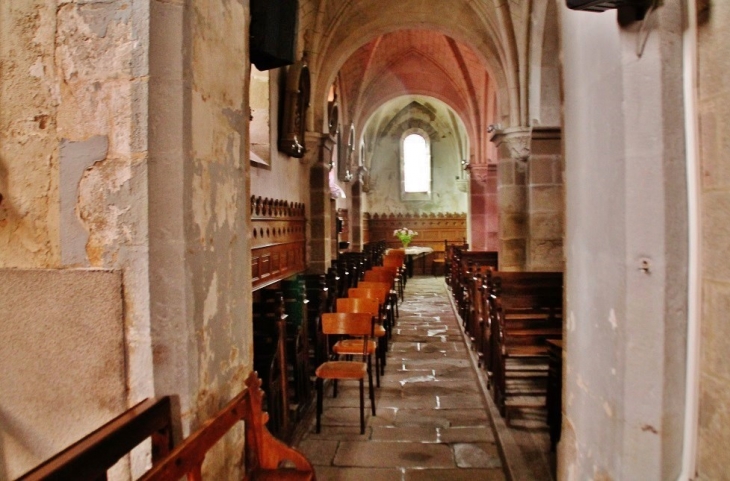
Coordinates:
[266,457]
[92,456]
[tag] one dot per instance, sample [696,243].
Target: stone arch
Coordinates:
[544,77]
[335,41]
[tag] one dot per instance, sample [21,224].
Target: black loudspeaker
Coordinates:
[273,33]
[603,5]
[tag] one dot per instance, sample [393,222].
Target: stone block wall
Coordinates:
[484,211]
[545,201]
[513,153]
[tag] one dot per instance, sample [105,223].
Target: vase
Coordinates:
[405,243]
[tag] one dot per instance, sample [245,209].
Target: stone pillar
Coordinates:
[513,148]
[484,211]
[545,204]
[356,217]
[321,217]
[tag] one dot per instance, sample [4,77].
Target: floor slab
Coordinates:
[433,422]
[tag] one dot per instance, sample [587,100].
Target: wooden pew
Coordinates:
[465,266]
[451,252]
[92,456]
[318,304]
[525,312]
[297,344]
[266,456]
[270,359]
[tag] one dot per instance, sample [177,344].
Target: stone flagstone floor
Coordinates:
[432,422]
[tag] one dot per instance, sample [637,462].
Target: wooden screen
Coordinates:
[432,229]
[278,240]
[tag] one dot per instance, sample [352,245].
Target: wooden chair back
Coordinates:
[358,324]
[355,304]
[379,276]
[393,270]
[381,294]
[374,285]
[393,261]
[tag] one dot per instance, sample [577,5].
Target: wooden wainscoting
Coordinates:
[278,240]
[433,230]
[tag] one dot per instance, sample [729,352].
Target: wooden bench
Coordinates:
[92,456]
[266,457]
[525,311]
[465,266]
[270,356]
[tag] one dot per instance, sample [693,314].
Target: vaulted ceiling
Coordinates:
[417,62]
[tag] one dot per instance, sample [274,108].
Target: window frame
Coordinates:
[415,196]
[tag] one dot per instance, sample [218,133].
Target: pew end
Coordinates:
[267,458]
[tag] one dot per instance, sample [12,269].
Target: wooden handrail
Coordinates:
[263,451]
[92,456]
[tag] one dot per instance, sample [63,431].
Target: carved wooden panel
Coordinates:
[432,229]
[278,240]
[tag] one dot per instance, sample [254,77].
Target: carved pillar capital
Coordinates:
[513,143]
[319,148]
[364,176]
[482,172]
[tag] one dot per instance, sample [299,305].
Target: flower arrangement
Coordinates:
[405,235]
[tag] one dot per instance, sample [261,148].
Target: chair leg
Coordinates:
[362,406]
[320,389]
[377,366]
[370,385]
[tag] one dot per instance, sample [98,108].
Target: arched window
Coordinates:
[415,166]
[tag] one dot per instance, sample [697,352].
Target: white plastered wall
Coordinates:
[625,248]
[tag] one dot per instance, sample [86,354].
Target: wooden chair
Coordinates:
[347,324]
[397,276]
[381,294]
[352,347]
[372,307]
[392,297]
[396,260]
[438,262]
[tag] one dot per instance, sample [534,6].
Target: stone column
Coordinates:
[319,156]
[545,204]
[356,217]
[484,211]
[513,148]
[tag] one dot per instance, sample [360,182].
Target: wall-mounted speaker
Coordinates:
[602,5]
[628,10]
[273,33]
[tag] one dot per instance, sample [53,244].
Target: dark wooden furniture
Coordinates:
[526,311]
[278,240]
[555,390]
[93,455]
[265,455]
[270,356]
